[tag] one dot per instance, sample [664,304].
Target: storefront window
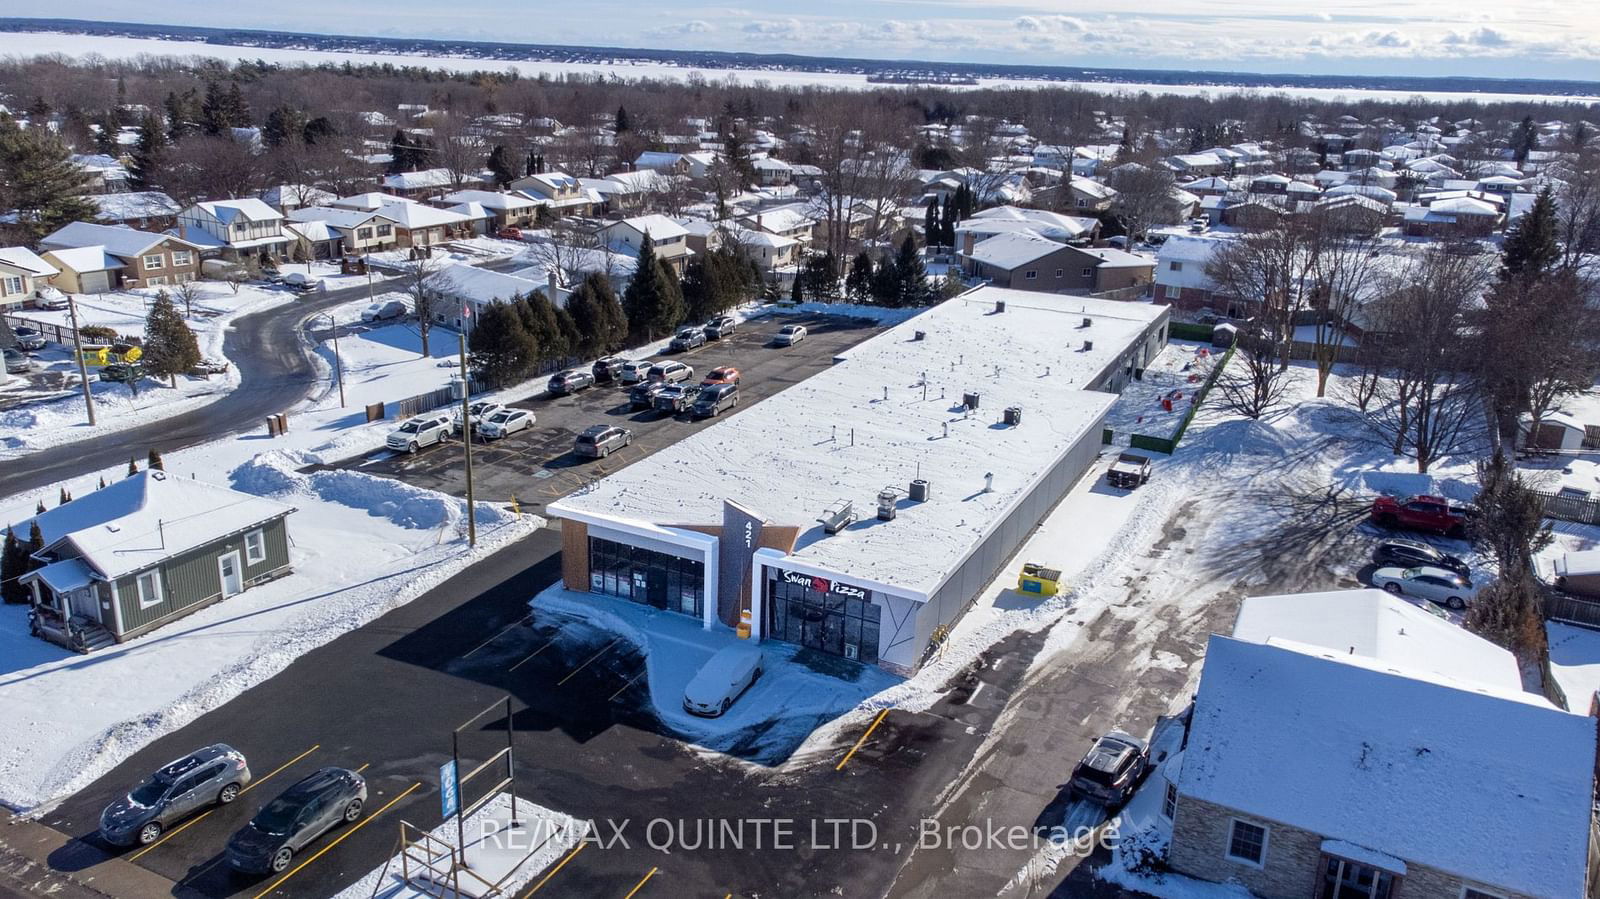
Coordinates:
[823,615]
[645,576]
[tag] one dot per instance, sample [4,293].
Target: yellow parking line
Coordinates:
[363,767]
[875,722]
[540,885]
[597,655]
[534,653]
[640,885]
[193,821]
[360,824]
[627,685]
[494,638]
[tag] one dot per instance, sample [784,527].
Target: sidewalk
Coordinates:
[27,849]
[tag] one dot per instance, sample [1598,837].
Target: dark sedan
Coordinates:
[305,811]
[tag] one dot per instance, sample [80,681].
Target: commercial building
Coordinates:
[860,511]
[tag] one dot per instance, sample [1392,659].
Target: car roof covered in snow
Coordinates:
[1486,785]
[835,436]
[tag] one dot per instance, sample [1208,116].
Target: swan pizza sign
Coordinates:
[822,584]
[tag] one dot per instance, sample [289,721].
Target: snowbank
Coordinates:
[273,474]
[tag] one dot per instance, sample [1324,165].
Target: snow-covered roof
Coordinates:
[630,182]
[418,215]
[1110,257]
[1580,563]
[792,455]
[1053,225]
[26,260]
[117,240]
[659,227]
[1012,249]
[490,199]
[137,204]
[1375,625]
[247,208]
[470,283]
[297,194]
[779,221]
[336,217]
[422,180]
[138,521]
[1432,773]
[86,259]
[316,232]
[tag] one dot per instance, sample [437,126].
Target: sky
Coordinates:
[1508,38]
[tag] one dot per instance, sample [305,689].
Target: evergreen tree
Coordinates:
[623,123]
[653,300]
[153,461]
[542,320]
[931,226]
[284,124]
[500,166]
[215,117]
[1531,250]
[35,545]
[170,347]
[858,284]
[796,292]
[885,283]
[238,109]
[502,349]
[947,224]
[597,317]
[64,498]
[40,508]
[911,275]
[13,565]
[1524,140]
[102,483]
[133,467]
[40,182]
[400,150]
[39,112]
[148,155]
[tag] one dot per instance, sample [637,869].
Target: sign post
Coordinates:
[450,797]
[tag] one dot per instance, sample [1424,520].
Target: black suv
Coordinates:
[1110,770]
[720,327]
[566,382]
[713,399]
[607,370]
[1412,553]
[643,394]
[289,823]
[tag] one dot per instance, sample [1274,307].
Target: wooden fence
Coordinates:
[1572,610]
[1571,508]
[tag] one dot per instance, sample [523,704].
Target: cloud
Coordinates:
[773,28]
[693,26]
[1478,37]
[1041,24]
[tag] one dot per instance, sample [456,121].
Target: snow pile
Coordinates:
[274,474]
[881,314]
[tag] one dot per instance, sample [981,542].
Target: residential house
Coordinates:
[505,210]
[1452,217]
[357,231]
[771,252]
[1254,214]
[1053,225]
[772,172]
[665,163]
[561,193]
[313,240]
[783,221]
[629,192]
[146,550]
[466,289]
[1181,280]
[21,272]
[288,197]
[424,183]
[670,239]
[147,210]
[234,229]
[1352,744]
[104,174]
[97,258]
[1026,261]
[1090,196]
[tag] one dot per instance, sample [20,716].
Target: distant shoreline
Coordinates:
[494,55]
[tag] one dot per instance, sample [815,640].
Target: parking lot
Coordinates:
[538,465]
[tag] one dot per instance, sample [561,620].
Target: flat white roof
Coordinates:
[792,455]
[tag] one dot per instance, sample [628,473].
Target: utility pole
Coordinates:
[466,443]
[338,363]
[77,350]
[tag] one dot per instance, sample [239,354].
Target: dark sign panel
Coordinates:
[741,535]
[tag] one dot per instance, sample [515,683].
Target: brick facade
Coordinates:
[1293,864]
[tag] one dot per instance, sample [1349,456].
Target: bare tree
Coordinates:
[572,252]
[1254,382]
[187,292]
[419,279]
[1144,197]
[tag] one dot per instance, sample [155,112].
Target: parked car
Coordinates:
[723,679]
[387,309]
[17,362]
[600,441]
[789,335]
[504,423]
[476,413]
[714,399]
[122,372]
[670,372]
[1199,225]
[207,367]
[727,374]
[509,233]
[302,282]
[211,776]
[607,370]
[563,383]
[418,432]
[1422,513]
[1110,770]
[720,327]
[1413,553]
[47,297]
[643,394]
[28,339]
[1129,471]
[687,339]
[1439,585]
[675,398]
[289,823]
[636,370]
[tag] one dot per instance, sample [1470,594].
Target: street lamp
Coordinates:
[338,364]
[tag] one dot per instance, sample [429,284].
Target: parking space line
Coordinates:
[196,820]
[627,685]
[603,651]
[640,885]
[357,826]
[875,722]
[363,767]
[497,636]
[546,646]
[553,871]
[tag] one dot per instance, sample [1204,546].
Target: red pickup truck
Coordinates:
[1422,513]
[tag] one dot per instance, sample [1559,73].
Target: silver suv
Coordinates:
[210,776]
[601,441]
[424,430]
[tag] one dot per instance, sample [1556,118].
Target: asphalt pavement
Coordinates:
[276,370]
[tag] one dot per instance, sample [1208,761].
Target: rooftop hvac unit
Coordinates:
[919,335]
[887,499]
[1088,345]
[919,490]
[1087,322]
[999,305]
[838,516]
[970,400]
[1013,415]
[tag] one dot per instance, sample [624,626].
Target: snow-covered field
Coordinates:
[78,45]
[1176,374]
[52,418]
[471,250]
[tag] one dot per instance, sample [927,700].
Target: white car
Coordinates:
[47,297]
[505,423]
[418,432]
[476,413]
[380,311]
[302,281]
[635,370]
[724,678]
[1438,585]
[789,335]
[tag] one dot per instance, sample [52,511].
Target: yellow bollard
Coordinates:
[516,509]
[744,624]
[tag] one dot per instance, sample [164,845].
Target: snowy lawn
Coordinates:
[675,646]
[1177,373]
[58,416]
[1575,662]
[472,250]
[407,540]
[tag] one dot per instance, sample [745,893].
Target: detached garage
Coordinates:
[86,269]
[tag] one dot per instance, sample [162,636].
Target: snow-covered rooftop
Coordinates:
[1479,784]
[866,423]
[133,205]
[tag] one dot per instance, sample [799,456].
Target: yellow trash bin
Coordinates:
[1039,580]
